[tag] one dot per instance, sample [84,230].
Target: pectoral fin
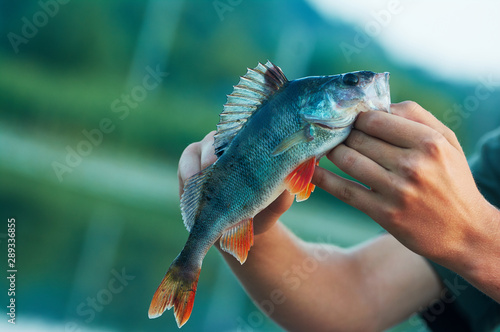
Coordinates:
[238,240]
[299,181]
[306,134]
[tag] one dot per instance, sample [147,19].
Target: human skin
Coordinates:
[420,190]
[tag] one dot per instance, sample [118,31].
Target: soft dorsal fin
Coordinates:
[253,89]
[191,197]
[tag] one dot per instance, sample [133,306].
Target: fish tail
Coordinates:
[177,289]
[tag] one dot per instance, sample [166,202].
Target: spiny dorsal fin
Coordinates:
[191,197]
[253,89]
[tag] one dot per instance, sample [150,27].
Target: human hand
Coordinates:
[421,189]
[200,155]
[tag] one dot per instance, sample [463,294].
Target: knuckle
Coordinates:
[404,193]
[394,215]
[410,110]
[412,107]
[391,214]
[395,185]
[346,194]
[410,168]
[348,160]
[433,145]
[407,196]
[452,135]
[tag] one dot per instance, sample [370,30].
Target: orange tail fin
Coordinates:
[177,290]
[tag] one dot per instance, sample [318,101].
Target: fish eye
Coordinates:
[350,79]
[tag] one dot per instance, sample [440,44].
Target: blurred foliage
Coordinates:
[83,67]
[65,79]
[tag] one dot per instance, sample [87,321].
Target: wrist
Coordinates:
[480,262]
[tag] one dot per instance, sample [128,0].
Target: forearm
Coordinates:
[291,281]
[287,278]
[320,287]
[480,263]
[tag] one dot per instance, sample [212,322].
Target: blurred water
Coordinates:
[130,180]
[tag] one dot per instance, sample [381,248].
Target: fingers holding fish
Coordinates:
[350,192]
[381,152]
[414,112]
[194,158]
[208,156]
[392,128]
[270,215]
[426,171]
[361,167]
[189,164]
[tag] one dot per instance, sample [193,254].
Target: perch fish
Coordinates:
[271,135]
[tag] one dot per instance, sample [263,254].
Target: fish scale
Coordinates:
[271,135]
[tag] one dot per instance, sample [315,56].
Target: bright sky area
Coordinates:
[456,40]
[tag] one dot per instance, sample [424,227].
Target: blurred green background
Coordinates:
[90,139]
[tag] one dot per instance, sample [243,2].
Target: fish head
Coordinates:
[335,101]
[359,91]
[375,90]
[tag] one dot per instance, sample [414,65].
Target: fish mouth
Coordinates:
[378,96]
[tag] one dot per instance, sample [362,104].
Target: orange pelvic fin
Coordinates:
[177,290]
[304,194]
[238,240]
[299,181]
